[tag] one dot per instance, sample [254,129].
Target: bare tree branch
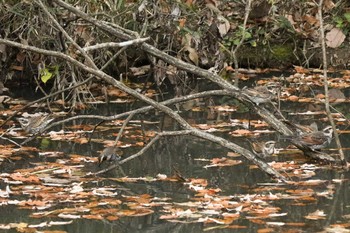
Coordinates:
[325,83]
[86,56]
[150,49]
[115,44]
[234,52]
[185,125]
[268,117]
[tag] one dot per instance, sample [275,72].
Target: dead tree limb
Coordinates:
[269,118]
[183,124]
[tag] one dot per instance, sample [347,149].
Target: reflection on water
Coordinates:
[182,154]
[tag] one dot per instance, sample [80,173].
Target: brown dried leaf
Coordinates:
[335,38]
[193,55]
[20,177]
[222,162]
[302,70]
[328,5]
[95,216]
[293,98]
[241,132]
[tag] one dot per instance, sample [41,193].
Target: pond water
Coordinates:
[186,157]
[181,153]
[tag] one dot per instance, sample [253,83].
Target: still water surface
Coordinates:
[182,154]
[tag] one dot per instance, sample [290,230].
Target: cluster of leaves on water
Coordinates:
[61,191]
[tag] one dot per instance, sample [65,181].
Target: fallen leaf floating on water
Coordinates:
[69,216]
[318,214]
[223,162]
[25,178]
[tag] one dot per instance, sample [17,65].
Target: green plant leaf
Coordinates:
[49,72]
[247,35]
[236,41]
[45,75]
[347,17]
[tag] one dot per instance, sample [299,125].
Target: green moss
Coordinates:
[282,52]
[272,55]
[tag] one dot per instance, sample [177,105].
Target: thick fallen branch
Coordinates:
[144,109]
[223,142]
[121,34]
[125,35]
[246,153]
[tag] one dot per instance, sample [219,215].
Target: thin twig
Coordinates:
[42,99]
[115,44]
[143,109]
[10,140]
[7,139]
[325,83]
[86,56]
[120,133]
[143,150]
[234,52]
[93,130]
[113,58]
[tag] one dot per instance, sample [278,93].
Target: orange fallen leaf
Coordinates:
[96,217]
[320,96]
[306,100]
[300,69]
[202,182]
[140,143]
[318,214]
[293,98]
[81,140]
[33,203]
[221,162]
[242,132]
[112,218]
[29,179]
